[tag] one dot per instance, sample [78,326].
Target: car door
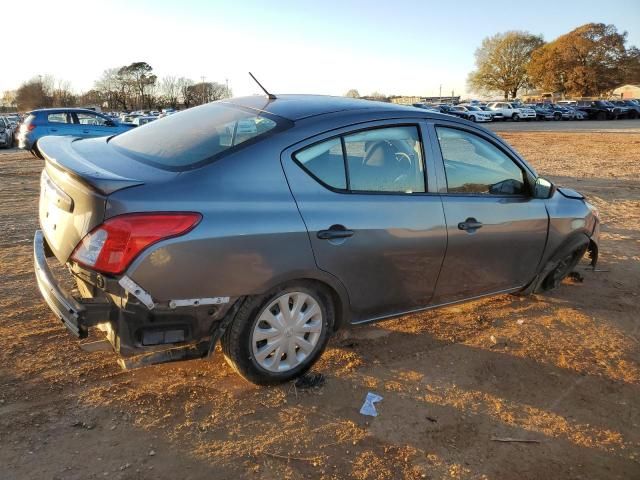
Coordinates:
[59,123]
[496,230]
[371,220]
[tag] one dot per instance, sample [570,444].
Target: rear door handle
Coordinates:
[54,129]
[334,232]
[470,225]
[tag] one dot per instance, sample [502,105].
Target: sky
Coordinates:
[324,47]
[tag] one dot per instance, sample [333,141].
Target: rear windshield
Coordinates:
[191,138]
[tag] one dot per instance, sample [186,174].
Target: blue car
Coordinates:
[71,122]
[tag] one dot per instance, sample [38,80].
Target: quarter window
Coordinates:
[326,162]
[473,165]
[58,118]
[376,160]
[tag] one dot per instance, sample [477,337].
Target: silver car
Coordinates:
[268,224]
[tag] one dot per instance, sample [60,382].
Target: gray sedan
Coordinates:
[268,224]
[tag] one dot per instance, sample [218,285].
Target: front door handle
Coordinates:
[334,232]
[54,129]
[470,225]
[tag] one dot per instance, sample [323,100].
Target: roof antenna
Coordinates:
[270,96]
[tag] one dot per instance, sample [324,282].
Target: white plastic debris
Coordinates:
[368,407]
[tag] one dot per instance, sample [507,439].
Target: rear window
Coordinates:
[191,138]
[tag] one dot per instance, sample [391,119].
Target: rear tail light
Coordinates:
[30,127]
[112,246]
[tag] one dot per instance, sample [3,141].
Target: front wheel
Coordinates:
[563,268]
[515,117]
[279,336]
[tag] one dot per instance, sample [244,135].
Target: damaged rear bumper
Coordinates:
[141,329]
[76,314]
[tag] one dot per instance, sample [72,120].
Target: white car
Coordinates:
[473,113]
[6,132]
[513,111]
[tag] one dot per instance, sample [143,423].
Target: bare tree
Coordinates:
[353,93]
[170,91]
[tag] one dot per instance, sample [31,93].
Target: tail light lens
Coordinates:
[112,246]
[30,127]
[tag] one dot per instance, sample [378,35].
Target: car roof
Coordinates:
[64,109]
[297,107]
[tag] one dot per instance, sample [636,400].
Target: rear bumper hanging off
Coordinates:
[76,314]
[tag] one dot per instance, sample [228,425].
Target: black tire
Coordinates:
[563,268]
[601,116]
[35,151]
[557,116]
[473,118]
[236,341]
[515,117]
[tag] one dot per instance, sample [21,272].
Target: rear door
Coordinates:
[496,230]
[364,197]
[58,123]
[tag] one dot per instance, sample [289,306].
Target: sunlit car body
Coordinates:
[274,222]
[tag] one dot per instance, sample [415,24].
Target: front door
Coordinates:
[371,222]
[496,230]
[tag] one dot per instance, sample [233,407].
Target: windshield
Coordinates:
[191,138]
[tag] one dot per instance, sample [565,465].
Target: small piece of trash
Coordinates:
[493,339]
[368,407]
[520,321]
[310,380]
[152,453]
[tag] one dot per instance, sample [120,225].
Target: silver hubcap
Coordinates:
[286,332]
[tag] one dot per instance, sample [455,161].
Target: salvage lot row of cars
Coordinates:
[516,111]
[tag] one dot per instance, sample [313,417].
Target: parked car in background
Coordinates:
[495,115]
[472,113]
[513,110]
[628,108]
[599,109]
[143,120]
[578,114]
[72,122]
[178,234]
[6,132]
[542,112]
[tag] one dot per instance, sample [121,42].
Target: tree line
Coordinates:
[129,87]
[590,61]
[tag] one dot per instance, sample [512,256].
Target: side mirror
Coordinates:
[543,188]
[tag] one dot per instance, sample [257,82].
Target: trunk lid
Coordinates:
[78,177]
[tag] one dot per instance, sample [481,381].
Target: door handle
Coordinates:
[54,129]
[85,131]
[470,225]
[334,232]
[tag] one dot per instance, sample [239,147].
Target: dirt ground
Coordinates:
[561,369]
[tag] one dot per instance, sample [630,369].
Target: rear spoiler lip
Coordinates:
[60,154]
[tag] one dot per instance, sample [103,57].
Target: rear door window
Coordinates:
[385,160]
[378,160]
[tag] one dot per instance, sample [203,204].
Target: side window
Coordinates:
[377,160]
[474,165]
[385,160]
[90,119]
[325,162]
[58,118]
